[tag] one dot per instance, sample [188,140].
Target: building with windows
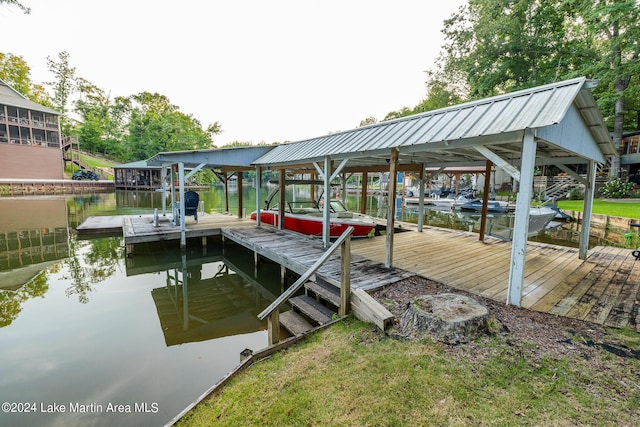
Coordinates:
[30,138]
[630,155]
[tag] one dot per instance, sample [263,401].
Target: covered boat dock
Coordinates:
[557,124]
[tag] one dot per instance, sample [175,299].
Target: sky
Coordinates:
[266,70]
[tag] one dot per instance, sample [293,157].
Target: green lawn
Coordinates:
[604,207]
[350,374]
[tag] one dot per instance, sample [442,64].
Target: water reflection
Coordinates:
[204,297]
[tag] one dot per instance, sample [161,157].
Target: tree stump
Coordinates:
[450,318]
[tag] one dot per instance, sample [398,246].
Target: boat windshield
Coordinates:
[337,206]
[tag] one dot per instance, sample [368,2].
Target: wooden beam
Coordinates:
[499,161]
[485,199]
[367,309]
[521,223]
[589,192]
[240,194]
[363,196]
[391,208]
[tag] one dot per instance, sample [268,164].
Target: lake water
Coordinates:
[90,337]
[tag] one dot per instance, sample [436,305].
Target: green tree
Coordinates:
[614,25]
[156,126]
[16,73]
[26,10]
[498,46]
[503,45]
[63,87]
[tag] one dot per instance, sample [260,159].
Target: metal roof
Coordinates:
[569,129]
[11,97]
[241,157]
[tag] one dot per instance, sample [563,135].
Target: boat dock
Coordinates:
[604,289]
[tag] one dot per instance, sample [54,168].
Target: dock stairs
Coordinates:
[318,306]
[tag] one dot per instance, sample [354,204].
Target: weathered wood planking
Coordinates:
[603,289]
[297,253]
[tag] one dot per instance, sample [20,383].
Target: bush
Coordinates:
[616,189]
[576,194]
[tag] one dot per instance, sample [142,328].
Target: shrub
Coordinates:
[576,194]
[616,189]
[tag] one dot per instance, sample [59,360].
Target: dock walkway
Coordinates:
[604,289]
[298,253]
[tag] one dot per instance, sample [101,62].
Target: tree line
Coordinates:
[491,47]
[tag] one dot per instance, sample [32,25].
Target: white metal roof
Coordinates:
[11,97]
[569,129]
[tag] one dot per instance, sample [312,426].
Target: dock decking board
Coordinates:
[604,289]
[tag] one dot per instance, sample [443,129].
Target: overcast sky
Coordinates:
[266,70]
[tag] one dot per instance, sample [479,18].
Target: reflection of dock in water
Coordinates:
[195,308]
[33,235]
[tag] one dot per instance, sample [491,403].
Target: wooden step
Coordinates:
[312,309]
[294,323]
[325,291]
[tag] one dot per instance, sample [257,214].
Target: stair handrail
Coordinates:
[307,275]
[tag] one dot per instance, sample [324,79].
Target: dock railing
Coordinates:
[273,310]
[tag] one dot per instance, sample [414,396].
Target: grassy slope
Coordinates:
[350,374]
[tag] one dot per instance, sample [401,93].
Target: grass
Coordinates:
[350,374]
[101,165]
[604,207]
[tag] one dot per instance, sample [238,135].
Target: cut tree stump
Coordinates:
[450,318]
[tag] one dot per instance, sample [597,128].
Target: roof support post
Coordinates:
[174,208]
[421,198]
[485,199]
[363,195]
[282,198]
[239,174]
[326,213]
[499,161]
[391,208]
[521,224]
[258,185]
[589,192]
[163,178]
[183,234]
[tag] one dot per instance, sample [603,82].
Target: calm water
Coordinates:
[87,331]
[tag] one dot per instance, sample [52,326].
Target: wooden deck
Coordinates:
[297,253]
[604,289]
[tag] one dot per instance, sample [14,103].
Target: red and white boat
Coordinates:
[306,218]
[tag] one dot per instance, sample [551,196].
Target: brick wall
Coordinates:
[29,162]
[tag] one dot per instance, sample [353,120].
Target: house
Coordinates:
[137,176]
[30,138]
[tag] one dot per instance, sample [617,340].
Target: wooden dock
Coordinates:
[604,289]
[297,253]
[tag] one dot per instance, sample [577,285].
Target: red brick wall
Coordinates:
[27,162]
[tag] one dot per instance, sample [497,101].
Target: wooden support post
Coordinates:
[485,199]
[521,223]
[345,277]
[589,192]
[273,326]
[391,208]
[256,262]
[239,194]
[363,196]
[283,276]
[282,199]
[226,192]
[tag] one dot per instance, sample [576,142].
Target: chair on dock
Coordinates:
[191,203]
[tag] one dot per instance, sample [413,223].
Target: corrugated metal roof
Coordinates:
[11,97]
[433,136]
